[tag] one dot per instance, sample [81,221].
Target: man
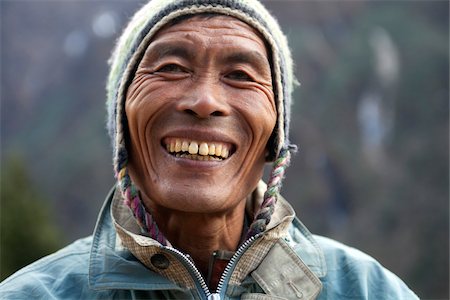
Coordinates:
[198,102]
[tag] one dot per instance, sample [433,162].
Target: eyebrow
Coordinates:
[160,50]
[252,57]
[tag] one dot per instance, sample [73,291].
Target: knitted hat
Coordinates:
[127,55]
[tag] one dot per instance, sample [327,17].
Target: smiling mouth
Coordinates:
[194,150]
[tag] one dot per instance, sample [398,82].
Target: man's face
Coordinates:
[200,111]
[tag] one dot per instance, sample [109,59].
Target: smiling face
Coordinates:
[200,112]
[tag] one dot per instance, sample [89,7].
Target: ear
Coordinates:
[270,148]
[268,155]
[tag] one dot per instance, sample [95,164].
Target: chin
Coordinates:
[198,200]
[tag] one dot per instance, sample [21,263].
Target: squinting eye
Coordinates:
[239,75]
[171,68]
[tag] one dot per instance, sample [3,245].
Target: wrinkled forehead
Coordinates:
[214,24]
[212,20]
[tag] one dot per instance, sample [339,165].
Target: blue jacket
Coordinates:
[295,266]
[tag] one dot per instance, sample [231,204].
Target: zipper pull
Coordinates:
[214,296]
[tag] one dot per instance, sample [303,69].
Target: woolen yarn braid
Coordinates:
[126,57]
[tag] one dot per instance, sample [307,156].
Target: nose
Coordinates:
[205,100]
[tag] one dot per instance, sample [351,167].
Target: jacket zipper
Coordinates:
[218,295]
[194,270]
[231,264]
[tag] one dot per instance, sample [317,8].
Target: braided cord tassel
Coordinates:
[265,212]
[132,199]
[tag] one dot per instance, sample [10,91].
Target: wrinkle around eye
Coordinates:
[263,84]
[267,89]
[135,86]
[140,85]
[243,73]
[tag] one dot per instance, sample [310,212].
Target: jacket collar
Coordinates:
[299,238]
[112,266]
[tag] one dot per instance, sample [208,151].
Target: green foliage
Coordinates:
[25,220]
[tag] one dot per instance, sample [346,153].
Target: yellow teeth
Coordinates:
[193,148]
[203,150]
[177,146]
[212,149]
[184,146]
[198,151]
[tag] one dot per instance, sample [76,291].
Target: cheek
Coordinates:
[259,111]
[145,97]
[144,100]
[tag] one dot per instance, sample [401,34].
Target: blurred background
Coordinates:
[370,120]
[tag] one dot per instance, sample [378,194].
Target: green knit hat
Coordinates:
[127,55]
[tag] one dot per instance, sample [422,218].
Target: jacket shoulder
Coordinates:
[352,274]
[61,275]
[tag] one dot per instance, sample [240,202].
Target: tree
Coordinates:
[24,219]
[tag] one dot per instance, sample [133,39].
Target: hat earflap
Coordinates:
[263,216]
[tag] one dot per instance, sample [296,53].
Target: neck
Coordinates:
[200,234]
